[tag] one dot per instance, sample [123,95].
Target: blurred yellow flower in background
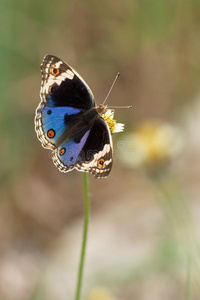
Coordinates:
[100,293]
[151,144]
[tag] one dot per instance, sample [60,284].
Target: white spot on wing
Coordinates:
[70,74]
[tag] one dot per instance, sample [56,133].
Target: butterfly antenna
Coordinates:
[125,106]
[111,87]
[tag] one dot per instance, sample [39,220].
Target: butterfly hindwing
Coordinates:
[96,155]
[92,153]
[66,155]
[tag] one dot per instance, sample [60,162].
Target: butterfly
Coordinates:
[68,121]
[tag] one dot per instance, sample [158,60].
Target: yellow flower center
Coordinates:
[111,123]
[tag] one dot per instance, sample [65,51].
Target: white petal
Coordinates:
[119,127]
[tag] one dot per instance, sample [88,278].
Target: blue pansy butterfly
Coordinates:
[69,122]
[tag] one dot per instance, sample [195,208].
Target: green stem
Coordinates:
[188,281]
[85,234]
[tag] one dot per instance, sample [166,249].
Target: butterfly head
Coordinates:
[101,109]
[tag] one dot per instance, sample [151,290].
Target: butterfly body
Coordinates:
[69,122]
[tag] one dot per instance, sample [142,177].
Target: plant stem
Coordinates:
[85,234]
[188,281]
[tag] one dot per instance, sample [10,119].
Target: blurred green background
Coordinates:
[145,221]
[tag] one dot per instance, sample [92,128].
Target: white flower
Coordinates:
[113,125]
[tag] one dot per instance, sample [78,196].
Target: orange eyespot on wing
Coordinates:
[51,133]
[55,71]
[100,163]
[62,151]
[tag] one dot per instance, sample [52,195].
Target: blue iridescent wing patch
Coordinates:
[54,122]
[68,122]
[66,155]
